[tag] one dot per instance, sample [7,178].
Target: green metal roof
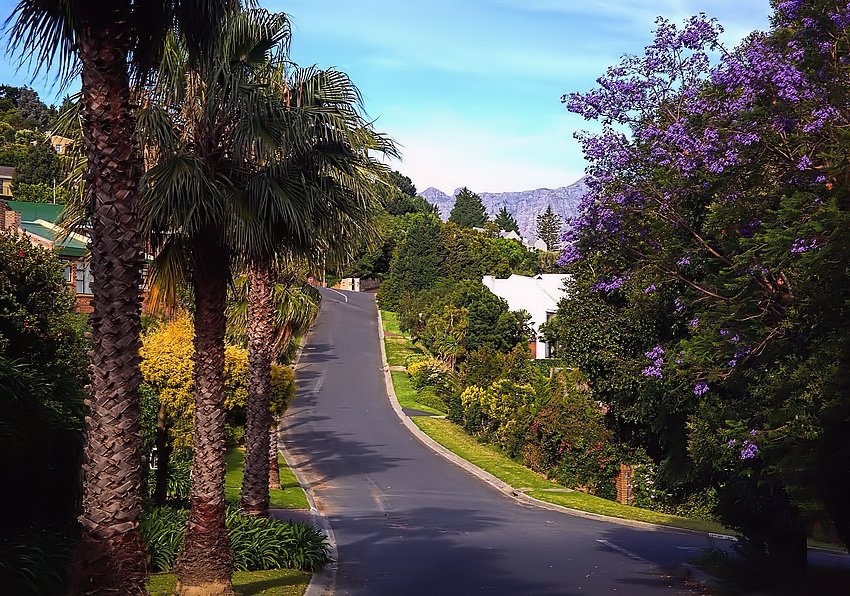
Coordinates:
[33,211]
[67,248]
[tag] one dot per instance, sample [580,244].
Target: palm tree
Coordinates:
[106,42]
[228,178]
[325,126]
[294,307]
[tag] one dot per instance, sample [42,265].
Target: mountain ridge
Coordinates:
[524,205]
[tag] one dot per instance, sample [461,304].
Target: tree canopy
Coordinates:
[468,210]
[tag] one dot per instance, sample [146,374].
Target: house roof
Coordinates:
[7,171]
[69,247]
[33,211]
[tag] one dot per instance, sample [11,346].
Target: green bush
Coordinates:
[35,562]
[256,543]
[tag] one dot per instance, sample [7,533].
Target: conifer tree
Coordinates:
[549,226]
[506,221]
[468,211]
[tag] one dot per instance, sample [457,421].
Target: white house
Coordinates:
[538,295]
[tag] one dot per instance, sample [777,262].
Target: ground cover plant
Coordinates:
[256,543]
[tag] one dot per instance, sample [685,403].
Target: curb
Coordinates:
[498,484]
[693,574]
[322,583]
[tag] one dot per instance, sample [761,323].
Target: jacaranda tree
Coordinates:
[716,217]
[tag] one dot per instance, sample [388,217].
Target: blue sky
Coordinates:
[471,89]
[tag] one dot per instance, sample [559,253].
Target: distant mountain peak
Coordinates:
[524,205]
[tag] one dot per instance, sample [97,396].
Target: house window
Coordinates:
[67,273]
[84,277]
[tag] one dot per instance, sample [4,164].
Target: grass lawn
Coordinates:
[390,320]
[291,496]
[398,347]
[277,582]
[456,440]
[408,397]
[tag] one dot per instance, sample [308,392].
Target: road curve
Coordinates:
[408,522]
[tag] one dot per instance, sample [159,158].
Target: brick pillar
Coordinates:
[625,485]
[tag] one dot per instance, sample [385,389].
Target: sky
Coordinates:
[471,89]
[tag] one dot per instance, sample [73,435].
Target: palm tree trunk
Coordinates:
[255,479]
[274,464]
[111,555]
[205,564]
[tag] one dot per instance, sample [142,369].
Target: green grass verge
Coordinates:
[456,440]
[277,582]
[390,320]
[291,495]
[398,350]
[399,346]
[408,397]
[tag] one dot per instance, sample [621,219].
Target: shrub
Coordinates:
[432,373]
[256,543]
[34,563]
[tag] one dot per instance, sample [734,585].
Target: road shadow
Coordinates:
[332,454]
[427,551]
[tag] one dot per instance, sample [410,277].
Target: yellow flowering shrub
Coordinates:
[167,367]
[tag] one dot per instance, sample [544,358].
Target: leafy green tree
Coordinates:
[42,375]
[105,41]
[468,210]
[549,225]
[506,221]
[41,166]
[417,264]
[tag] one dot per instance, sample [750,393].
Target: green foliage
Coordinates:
[256,543]
[488,320]
[416,264]
[41,192]
[468,210]
[506,221]
[34,563]
[549,227]
[42,374]
[434,374]
[41,166]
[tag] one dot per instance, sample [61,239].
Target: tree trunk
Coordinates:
[205,564]
[111,556]
[163,452]
[255,479]
[274,465]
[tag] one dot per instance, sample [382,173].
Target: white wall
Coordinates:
[538,295]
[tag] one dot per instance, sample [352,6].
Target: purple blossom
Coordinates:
[649,289]
[570,254]
[753,432]
[749,450]
[678,305]
[789,8]
[800,245]
[804,164]
[693,323]
[701,388]
[731,443]
[656,354]
[609,284]
[684,261]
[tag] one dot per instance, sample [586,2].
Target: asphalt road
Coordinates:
[409,522]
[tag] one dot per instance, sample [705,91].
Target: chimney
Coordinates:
[10,220]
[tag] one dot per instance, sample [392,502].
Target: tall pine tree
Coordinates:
[468,211]
[506,221]
[549,226]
